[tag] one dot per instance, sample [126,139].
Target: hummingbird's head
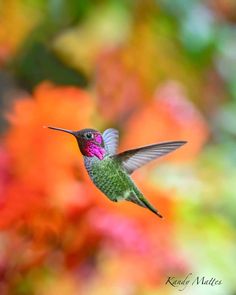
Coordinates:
[90,141]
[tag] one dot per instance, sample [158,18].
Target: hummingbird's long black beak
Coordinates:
[61,129]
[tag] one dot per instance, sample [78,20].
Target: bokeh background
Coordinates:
[156,70]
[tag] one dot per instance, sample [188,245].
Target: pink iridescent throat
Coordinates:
[93,148]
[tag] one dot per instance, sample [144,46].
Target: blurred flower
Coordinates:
[4,173]
[170,116]
[224,8]
[119,89]
[42,173]
[124,238]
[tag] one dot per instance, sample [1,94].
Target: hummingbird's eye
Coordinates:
[89,135]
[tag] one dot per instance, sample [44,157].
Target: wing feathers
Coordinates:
[111,138]
[133,159]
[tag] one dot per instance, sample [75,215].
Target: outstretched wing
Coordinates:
[111,138]
[133,159]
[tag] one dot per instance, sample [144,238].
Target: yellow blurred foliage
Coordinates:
[79,46]
[16,21]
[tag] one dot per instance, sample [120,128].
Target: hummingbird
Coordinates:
[110,171]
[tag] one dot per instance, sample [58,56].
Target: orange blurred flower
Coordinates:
[169,116]
[46,165]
